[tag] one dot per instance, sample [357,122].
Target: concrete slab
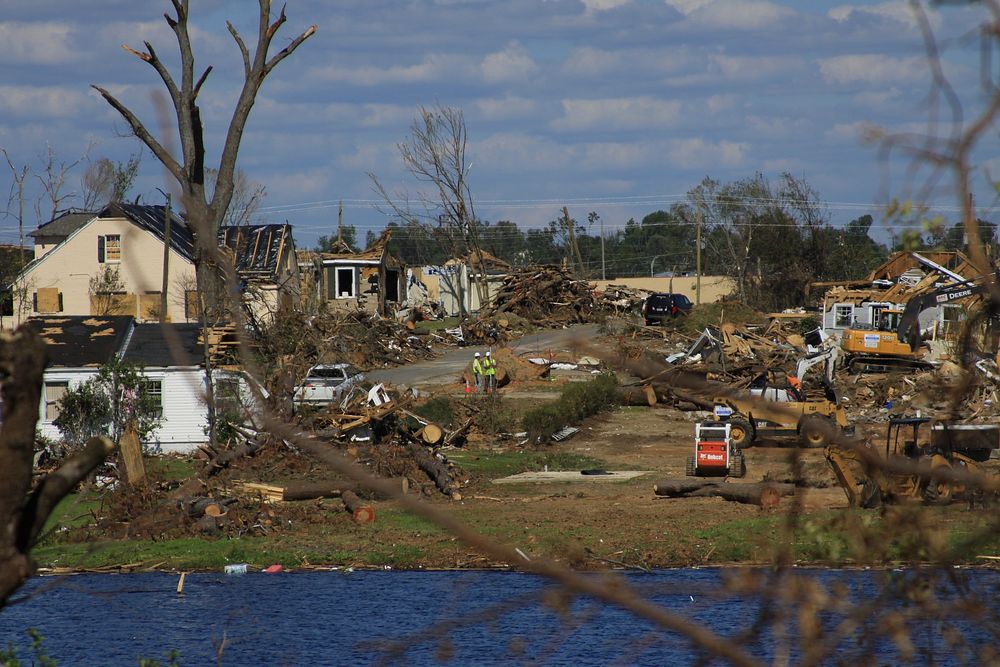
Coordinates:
[571,476]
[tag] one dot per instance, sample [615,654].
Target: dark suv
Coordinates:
[659,307]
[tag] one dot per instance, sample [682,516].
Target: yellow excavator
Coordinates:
[867,476]
[894,342]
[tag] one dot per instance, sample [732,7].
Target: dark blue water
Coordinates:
[460,618]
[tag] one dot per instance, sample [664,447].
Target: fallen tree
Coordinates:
[762,494]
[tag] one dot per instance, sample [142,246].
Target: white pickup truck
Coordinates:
[327,383]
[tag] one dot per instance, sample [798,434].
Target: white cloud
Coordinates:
[898,11]
[878,99]
[617,113]
[51,101]
[378,115]
[745,68]
[36,43]
[872,69]
[724,102]
[433,67]
[732,14]
[696,153]
[588,61]
[603,5]
[494,108]
[512,64]
[515,151]
[775,127]
[850,131]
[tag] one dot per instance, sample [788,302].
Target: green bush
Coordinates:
[807,324]
[714,314]
[578,401]
[495,417]
[438,410]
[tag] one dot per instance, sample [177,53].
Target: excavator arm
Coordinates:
[908,330]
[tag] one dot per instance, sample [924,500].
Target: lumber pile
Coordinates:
[544,296]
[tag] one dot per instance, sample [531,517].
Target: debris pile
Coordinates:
[621,300]
[545,296]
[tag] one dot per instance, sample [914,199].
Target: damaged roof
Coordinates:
[84,340]
[162,345]
[151,218]
[258,249]
[376,253]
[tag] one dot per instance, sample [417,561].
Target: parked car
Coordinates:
[327,383]
[663,306]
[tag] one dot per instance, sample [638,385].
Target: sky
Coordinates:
[614,106]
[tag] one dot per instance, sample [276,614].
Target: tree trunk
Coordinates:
[362,513]
[436,470]
[333,489]
[764,494]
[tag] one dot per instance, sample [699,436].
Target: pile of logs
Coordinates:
[762,494]
[544,296]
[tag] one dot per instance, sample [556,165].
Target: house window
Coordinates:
[842,315]
[54,392]
[113,248]
[227,397]
[154,389]
[344,285]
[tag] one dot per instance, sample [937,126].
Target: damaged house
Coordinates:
[859,303]
[456,284]
[372,280]
[266,266]
[172,362]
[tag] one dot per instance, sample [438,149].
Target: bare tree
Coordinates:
[436,154]
[52,176]
[105,181]
[247,197]
[16,196]
[206,210]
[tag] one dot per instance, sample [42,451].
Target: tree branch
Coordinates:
[144,135]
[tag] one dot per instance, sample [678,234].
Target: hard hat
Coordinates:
[477,354]
[487,354]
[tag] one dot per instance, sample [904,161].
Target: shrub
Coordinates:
[578,401]
[438,410]
[495,417]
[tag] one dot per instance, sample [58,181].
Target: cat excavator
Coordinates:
[871,478]
[895,342]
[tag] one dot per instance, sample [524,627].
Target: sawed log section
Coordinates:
[361,512]
[762,494]
[436,470]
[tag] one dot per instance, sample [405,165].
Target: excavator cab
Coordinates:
[902,437]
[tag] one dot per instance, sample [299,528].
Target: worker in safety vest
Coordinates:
[477,372]
[490,370]
[795,388]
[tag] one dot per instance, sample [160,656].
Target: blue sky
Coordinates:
[615,106]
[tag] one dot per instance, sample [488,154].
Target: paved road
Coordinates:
[448,367]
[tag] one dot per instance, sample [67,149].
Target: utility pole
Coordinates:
[340,223]
[697,258]
[573,247]
[603,275]
[166,260]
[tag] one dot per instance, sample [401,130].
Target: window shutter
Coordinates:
[34,302]
[60,302]
[100,250]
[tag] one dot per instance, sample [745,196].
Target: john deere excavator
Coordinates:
[895,342]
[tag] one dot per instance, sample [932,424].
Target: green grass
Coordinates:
[438,325]
[406,521]
[170,467]
[503,464]
[73,511]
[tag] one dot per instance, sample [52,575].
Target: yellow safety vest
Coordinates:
[477,368]
[491,366]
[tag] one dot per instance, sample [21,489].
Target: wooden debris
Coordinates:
[763,494]
[362,513]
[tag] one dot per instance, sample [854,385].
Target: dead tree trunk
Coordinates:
[436,470]
[23,511]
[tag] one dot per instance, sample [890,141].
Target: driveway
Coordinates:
[447,368]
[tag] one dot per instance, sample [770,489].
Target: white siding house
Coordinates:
[78,346]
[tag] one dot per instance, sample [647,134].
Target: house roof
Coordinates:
[376,253]
[151,218]
[257,249]
[85,340]
[165,345]
[64,224]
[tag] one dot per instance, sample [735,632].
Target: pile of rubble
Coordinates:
[544,296]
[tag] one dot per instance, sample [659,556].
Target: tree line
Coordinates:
[772,239]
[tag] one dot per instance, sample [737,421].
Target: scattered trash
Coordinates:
[273,569]
[235,568]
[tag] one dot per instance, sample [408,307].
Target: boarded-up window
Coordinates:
[54,392]
[48,300]
[6,303]
[191,309]
[112,303]
[113,248]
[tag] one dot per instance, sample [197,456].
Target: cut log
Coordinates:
[362,513]
[436,470]
[763,495]
[431,433]
[213,507]
[333,489]
[135,470]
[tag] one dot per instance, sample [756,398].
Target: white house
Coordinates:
[172,361]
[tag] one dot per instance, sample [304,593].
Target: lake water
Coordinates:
[453,618]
